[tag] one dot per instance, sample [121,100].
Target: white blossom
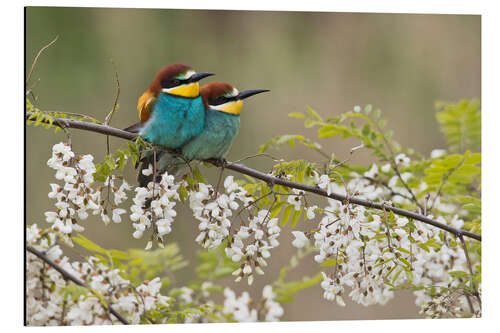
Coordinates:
[386,168]
[239,306]
[300,239]
[436,153]
[402,160]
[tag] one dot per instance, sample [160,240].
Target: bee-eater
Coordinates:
[222,122]
[171,111]
[223,106]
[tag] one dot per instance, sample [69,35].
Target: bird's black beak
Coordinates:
[198,76]
[247,93]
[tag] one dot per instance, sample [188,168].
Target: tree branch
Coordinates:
[68,276]
[241,168]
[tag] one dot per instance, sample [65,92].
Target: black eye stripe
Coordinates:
[221,100]
[172,83]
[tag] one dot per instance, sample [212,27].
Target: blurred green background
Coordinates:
[329,61]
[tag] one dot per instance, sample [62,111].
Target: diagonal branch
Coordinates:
[72,278]
[241,168]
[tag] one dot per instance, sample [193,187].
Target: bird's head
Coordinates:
[179,80]
[224,97]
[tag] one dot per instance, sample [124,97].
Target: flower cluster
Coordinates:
[119,196]
[47,299]
[241,307]
[76,197]
[370,253]
[260,236]
[452,304]
[367,253]
[342,238]
[363,186]
[213,213]
[144,298]
[432,267]
[154,208]
[250,244]
[272,310]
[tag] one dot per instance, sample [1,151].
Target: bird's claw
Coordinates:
[222,162]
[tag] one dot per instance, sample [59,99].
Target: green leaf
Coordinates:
[286,291]
[298,115]
[110,162]
[286,215]
[313,114]
[366,129]
[404,261]
[88,244]
[198,176]
[183,193]
[460,123]
[276,209]
[296,217]
[331,262]
[327,132]
[459,274]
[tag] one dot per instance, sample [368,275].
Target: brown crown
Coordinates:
[167,73]
[213,90]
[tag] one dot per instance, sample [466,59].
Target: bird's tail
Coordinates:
[165,162]
[135,128]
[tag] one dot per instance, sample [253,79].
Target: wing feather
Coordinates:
[145,105]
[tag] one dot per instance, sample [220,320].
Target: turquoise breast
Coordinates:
[174,121]
[216,139]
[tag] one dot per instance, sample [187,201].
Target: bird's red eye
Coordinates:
[175,82]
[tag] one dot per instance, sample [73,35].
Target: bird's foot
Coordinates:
[222,161]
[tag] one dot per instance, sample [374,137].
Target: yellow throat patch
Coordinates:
[190,90]
[233,107]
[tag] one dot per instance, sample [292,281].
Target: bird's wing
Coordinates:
[145,105]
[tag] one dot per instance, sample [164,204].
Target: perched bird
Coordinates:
[222,121]
[223,106]
[171,111]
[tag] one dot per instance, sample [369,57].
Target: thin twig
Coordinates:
[351,152]
[30,90]
[82,116]
[252,203]
[426,200]
[107,121]
[269,179]
[393,193]
[464,247]
[396,170]
[395,166]
[72,278]
[275,159]
[220,179]
[38,55]
[444,180]
[387,231]
[153,215]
